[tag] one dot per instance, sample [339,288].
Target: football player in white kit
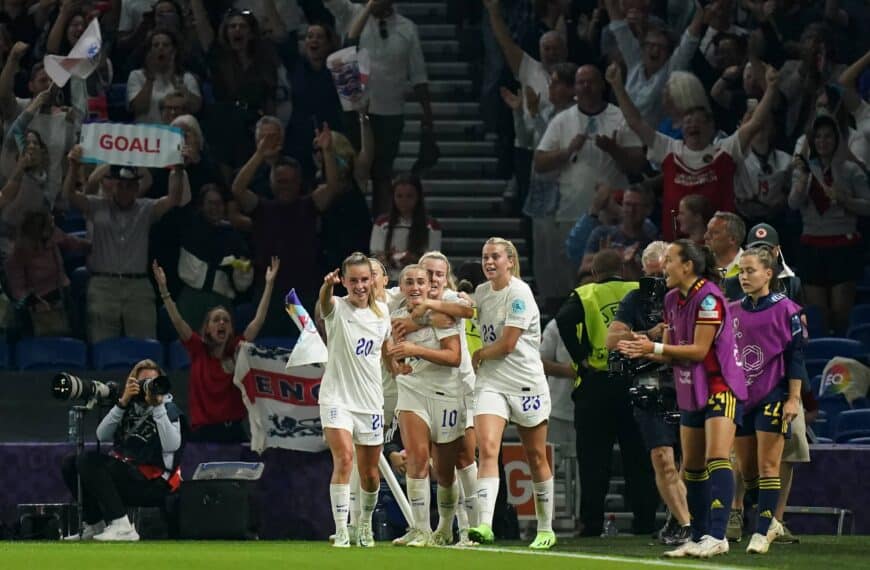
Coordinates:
[510,387]
[351,391]
[431,410]
[443,298]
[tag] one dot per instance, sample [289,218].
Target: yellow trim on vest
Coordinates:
[600,301]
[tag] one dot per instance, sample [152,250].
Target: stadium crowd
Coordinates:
[716,125]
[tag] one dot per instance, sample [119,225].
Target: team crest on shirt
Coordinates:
[518,307]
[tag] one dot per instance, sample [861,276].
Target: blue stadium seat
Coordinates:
[243,314]
[4,355]
[276,341]
[815,328]
[851,424]
[73,221]
[859,440]
[859,315]
[51,353]
[815,366]
[123,352]
[830,347]
[178,357]
[824,440]
[165,329]
[861,333]
[816,384]
[830,409]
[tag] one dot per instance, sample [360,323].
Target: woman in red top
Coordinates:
[216,408]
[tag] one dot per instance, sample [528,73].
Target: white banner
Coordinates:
[82,60]
[152,146]
[282,402]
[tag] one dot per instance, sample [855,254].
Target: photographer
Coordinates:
[642,312]
[602,408]
[142,468]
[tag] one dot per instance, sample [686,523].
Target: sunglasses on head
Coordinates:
[247,14]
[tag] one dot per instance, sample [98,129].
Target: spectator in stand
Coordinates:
[859,108]
[396,58]
[244,71]
[161,74]
[682,91]
[534,78]
[761,183]
[630,237]
[207,240]
[88,96]
[725,234]
[831,192]
[269,139]
[215,403]
[587,144]
[692,217]
[120,296]
[346,226]
[173,105]
[640,20]
[696,164]
[28,188]
[24,26]
[651,62]
[605,209]
[286,226]
[57,126]
[406,233]
[315,99]
[36,277]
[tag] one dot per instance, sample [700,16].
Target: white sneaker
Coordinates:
[442,538]
[758,544]
[421,538]
[775,530]
[710,547]
[341,539]
[405,538]
[88,532]
[365,537]
[119,530]
[685,550]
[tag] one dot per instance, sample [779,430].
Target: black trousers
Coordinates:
[602,416]
[110,486]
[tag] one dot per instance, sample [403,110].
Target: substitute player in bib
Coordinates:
[770,336]
[431,411]
[351,391]
[699,343]
[510,387]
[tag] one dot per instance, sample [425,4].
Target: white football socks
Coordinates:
[544,505]
[339,497]
[468,479]
[447,497]
[487,489]
[419,495]
[368,500]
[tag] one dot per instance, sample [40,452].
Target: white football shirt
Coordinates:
[352,378]
[427,377]
[520,372]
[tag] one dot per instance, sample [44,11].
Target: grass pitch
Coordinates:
[813,553]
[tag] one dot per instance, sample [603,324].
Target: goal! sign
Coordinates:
[152,146]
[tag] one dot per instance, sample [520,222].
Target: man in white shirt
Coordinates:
[532,75]
[587,144]
[396,58]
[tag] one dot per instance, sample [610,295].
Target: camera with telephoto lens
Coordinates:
[66,386]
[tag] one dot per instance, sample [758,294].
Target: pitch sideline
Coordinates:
[605,558]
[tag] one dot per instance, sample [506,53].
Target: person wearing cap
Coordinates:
[765,235]
[120,298]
